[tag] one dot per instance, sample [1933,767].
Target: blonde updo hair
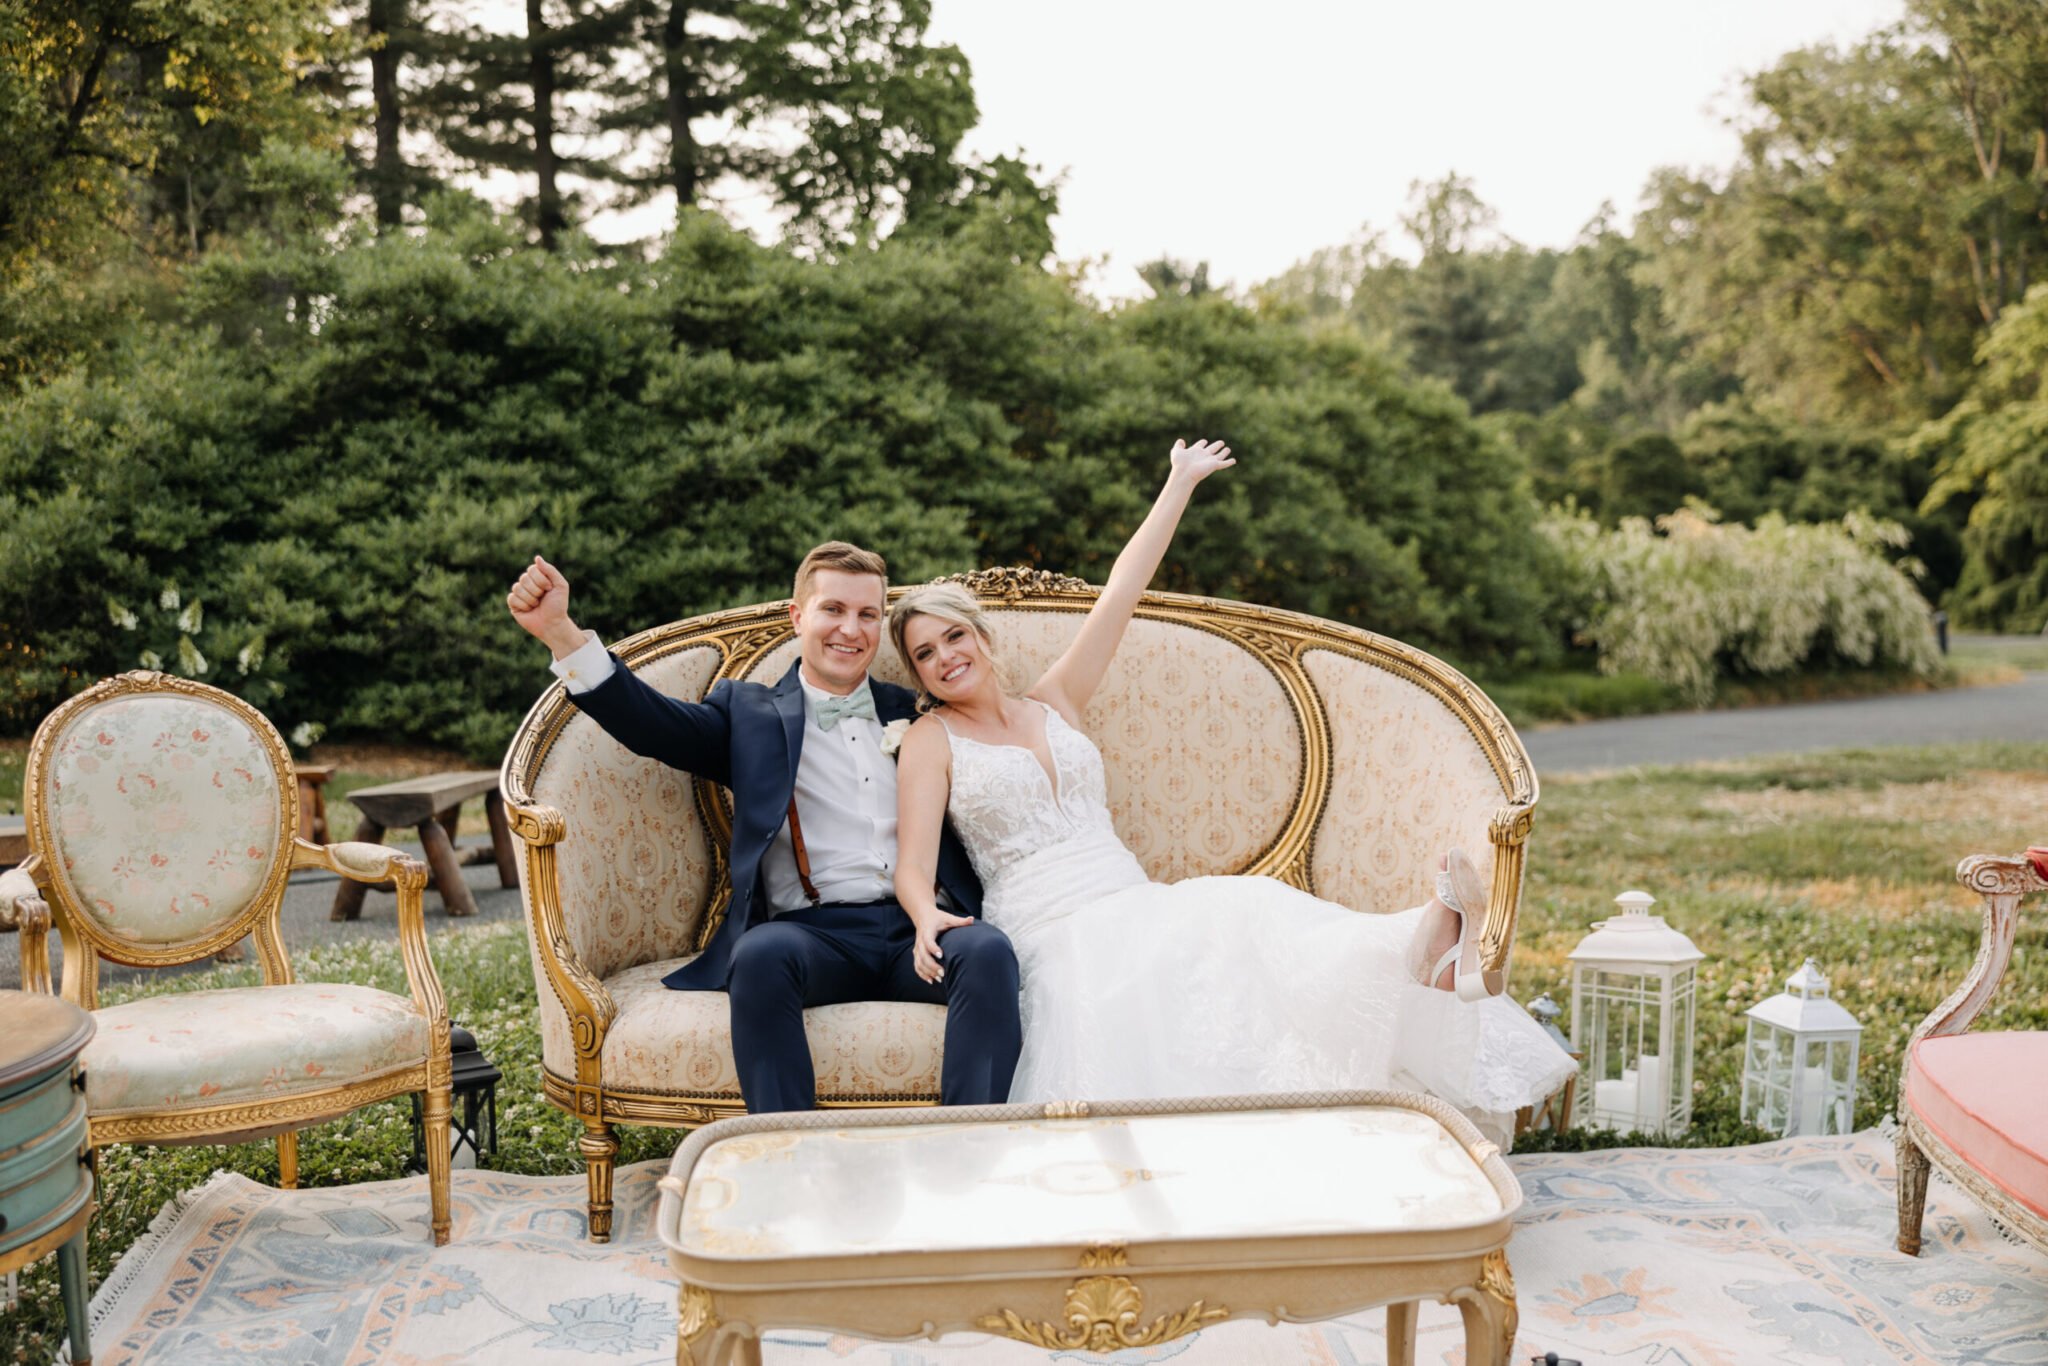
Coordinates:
[947,602]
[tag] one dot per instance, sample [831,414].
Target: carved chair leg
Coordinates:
[736,1349]
[434,1121]
[288,1160]
[1491,1318]
[599,1146]
[1912,1194]
[1401,1333]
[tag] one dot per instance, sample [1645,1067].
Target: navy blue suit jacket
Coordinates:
[748,738]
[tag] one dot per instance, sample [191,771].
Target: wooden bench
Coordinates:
[433,806]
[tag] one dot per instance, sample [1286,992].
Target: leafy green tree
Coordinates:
[1991,461]
[841,109]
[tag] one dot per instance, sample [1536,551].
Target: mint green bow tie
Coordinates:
[833,710]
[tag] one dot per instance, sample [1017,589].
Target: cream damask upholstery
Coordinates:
[1237,739]
[162,823]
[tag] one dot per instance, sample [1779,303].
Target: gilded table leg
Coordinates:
[71,1275]
[1489,1313]
[1912,1194]
[288,1160]
[599,1146]
[455,897]
[736,1348]
[1401,1333]
[696,1326]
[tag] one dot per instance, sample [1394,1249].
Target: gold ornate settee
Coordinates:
[1238,739]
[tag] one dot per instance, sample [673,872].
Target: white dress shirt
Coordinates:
[845,796]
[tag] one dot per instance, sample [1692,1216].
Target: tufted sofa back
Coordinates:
[1237,739]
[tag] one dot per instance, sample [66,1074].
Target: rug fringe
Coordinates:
[135,1261]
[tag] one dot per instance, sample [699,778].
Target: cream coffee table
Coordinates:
[1089,1227]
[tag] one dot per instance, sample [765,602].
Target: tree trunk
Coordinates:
[541,74]
[387,171]
[675,65]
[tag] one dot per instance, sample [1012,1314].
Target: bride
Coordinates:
[1213,986]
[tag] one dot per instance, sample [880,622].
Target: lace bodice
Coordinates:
[1004,810]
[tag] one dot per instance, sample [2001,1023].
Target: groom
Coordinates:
[813,919]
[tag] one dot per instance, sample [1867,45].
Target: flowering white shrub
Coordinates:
[1701,599]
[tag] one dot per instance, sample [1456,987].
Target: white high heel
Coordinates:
[1458,887]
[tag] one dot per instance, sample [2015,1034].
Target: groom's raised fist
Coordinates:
[539,602]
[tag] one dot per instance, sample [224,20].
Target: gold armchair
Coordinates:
[162,824]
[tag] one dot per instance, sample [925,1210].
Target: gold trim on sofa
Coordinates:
[1279,640]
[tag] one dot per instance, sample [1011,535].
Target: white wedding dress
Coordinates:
[1213,986]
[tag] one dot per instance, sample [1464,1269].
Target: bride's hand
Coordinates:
[1197,462]
[924,959]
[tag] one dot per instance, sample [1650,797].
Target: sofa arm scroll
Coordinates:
[1508,832]
[590,1007]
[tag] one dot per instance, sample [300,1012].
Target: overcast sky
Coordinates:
[1248,135]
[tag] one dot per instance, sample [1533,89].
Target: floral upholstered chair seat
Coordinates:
[218,1047]
[1237,739]
[864,1051]
[163,822]
[1970,1101]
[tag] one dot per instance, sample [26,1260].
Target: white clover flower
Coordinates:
[120,615]
[191,618]
[892,736]
[168,599]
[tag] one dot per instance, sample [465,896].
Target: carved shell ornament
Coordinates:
[1014,583]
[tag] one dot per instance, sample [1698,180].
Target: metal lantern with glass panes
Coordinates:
[1632,1021]
[1799,1060]
[1554,1113]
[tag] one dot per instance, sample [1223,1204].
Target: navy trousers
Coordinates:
[823,955]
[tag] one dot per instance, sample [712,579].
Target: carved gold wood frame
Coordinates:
[743,636]
[2003,882]
[86,940]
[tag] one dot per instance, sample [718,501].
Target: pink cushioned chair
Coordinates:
[1973,1104]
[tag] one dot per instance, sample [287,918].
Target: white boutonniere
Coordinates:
[892,736]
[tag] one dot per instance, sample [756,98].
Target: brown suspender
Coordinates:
[803,860]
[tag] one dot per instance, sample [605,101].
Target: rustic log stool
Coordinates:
[433,805]
[312,802]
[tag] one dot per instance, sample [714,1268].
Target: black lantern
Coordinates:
[475,1086]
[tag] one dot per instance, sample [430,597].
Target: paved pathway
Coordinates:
[2012,711]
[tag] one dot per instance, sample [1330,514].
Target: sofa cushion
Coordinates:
[199,1049]
[1963,1086]
[680,1042]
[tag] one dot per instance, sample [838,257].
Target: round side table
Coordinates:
[45,1162]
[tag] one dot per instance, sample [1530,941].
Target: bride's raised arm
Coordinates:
[1074,676]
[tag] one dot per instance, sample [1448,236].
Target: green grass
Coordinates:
[1846,856]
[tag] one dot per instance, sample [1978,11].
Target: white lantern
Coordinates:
[1799,1060]
[1632,1021]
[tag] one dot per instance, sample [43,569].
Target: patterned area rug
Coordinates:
[1777,1253]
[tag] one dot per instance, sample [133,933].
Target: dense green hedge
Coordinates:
[343,453]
